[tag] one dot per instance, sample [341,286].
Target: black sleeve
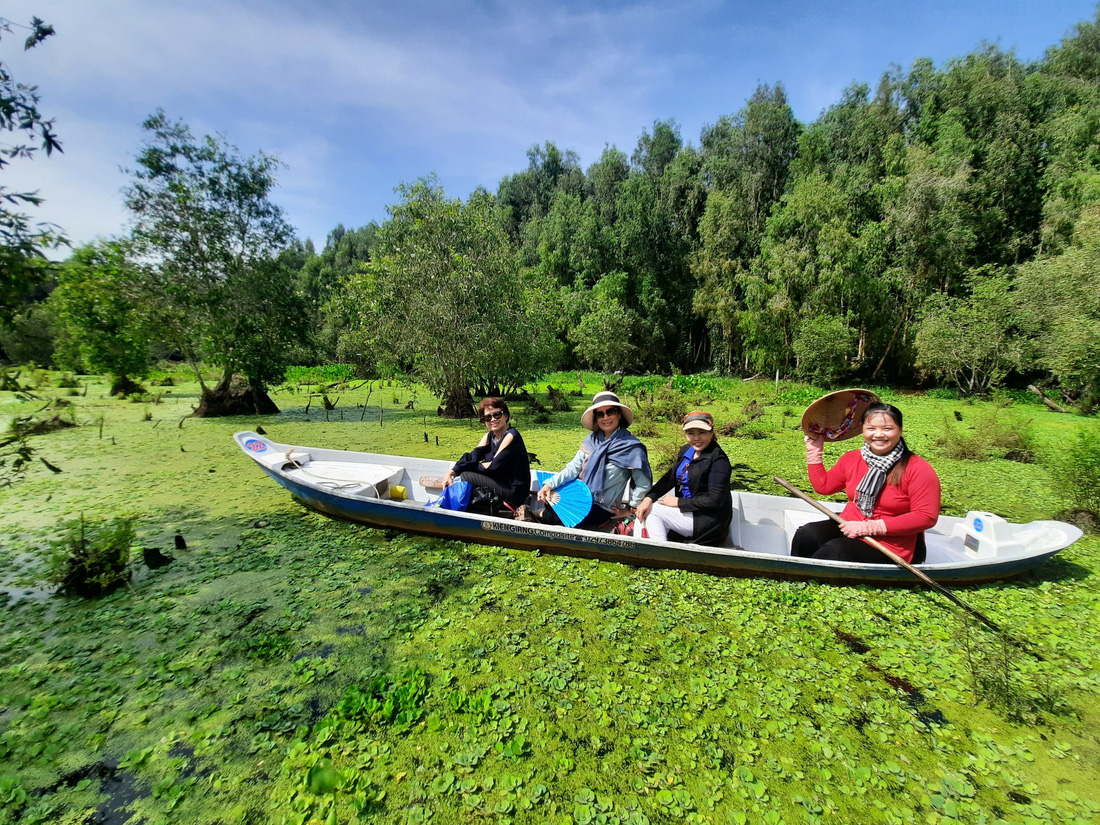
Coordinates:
[471,460]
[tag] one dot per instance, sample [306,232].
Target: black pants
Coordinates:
[823,540]
[482,480]
[493,495]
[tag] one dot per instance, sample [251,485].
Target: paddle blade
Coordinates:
[572,502]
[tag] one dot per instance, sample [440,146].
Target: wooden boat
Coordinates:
[393,492]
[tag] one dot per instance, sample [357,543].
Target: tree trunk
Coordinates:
[124,386]
[458,403]
[1050,404]
[234,396]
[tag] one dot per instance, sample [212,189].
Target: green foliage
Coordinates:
[605,337]
[100,305]
[971,340]
[15,454]
[92,559]
[990,435]
[1000,678]
[318,282]
[383,700]
[1060,298]
[439,298]
[204,218]
[22,243]
[823,348]
[1077,469]
[29,339]
[323,374]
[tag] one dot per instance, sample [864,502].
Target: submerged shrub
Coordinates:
[92,559]
[1078,473]
[668,404]
[990,437]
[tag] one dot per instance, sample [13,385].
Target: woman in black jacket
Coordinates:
[692,500]
[499,463]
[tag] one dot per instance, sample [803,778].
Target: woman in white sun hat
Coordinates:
[609,459]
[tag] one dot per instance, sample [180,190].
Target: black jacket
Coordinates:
[511,467]
[710,502]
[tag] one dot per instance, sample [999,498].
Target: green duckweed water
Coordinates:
[291,668]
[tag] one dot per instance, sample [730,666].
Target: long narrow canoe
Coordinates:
[393,492]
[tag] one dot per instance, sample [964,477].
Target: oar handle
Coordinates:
[894,557]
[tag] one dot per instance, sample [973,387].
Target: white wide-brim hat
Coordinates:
[606,399]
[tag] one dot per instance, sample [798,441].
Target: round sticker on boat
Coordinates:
[978,525]
[254,445]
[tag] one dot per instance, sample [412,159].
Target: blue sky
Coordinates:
[357,97]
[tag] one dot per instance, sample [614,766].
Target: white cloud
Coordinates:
[356,97]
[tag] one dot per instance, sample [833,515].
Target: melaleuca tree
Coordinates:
[439,297]
[204,221]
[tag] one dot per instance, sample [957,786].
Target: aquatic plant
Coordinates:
[91,558]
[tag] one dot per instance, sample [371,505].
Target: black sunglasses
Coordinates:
[495,416]
[604,413]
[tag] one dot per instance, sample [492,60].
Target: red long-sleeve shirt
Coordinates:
[907,509]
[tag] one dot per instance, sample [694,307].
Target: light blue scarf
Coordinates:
[621,448]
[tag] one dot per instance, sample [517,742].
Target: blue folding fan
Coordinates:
[571,502]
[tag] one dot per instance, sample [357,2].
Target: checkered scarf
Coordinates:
[870,487]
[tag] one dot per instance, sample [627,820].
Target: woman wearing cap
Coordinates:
[609,459]
[692,499]
[893,495]
[499,463]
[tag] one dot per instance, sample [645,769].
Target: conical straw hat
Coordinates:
[838,415]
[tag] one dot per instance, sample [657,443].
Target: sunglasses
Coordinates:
[495,416]
[605,413]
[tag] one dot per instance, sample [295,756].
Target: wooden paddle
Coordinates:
[894,557]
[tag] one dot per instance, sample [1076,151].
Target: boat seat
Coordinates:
[793,519]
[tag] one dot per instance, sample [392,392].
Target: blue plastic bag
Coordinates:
[455,497]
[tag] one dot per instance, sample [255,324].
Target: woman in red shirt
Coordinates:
[893,495]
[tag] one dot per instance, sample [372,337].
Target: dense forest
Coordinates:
[943,227]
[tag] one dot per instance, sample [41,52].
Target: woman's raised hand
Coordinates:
[815,449]
[544,493]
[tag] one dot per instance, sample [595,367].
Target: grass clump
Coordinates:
[92,559]
[652,407]
[323,374]
[1077,474]
[991,437]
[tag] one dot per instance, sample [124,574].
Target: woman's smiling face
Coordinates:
[495,419]
[699,438]
[607,419]
[881,433]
